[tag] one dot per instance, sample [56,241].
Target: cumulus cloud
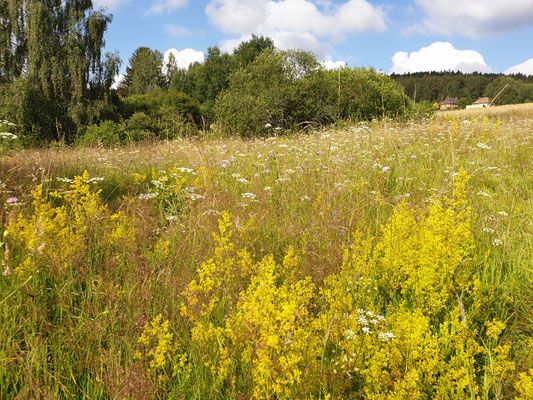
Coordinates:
[177,30]
[184,58]
[305,24]
[476,18]
[439,56]
[525,68]
[111,5]
[161,6]
[330,64]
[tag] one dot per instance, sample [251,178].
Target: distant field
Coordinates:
[509,111]
[377,260]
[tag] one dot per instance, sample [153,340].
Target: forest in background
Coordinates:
[56,85]
[467,88]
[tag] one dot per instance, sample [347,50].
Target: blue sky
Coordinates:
[393,36]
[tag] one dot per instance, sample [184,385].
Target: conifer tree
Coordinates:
[144,74]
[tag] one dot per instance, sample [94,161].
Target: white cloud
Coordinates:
[184,58]
[111,5]
[476,18]
[305,24]
[330,64]
[161,6]
[177,30]
[525,68]
[439,56]
[286,40]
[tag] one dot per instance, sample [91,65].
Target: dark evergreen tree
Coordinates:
[144,73]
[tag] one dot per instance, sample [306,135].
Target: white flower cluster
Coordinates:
[147,196]
[8,136]
[248,196]
[483,146]
[64,180]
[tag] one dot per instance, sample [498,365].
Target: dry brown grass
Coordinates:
[500,112]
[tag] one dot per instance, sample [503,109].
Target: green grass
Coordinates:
[76,335]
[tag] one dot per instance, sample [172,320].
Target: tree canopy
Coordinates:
[53,74]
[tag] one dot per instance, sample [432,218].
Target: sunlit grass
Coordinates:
[72,327]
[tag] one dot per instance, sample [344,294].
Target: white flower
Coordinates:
[386,336]
[483,146]
[480,193]
[248,196]
[366,330]
[8,135]
[350,334]
[243,180]
[187,170]
[488,230]
[503,213]
[195,196]
[147,196]
[497,242]
[96,179]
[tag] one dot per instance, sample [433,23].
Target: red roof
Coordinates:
[482,100]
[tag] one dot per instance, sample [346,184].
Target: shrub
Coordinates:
[106,133]
[8,140]
[289,88]
[140,126]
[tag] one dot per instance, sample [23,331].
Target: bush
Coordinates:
[140,126]
[289,88]
[8,140]
[106,133]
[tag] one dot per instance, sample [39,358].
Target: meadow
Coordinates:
[372,260]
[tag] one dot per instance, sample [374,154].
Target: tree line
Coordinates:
[437,86]
[57,84]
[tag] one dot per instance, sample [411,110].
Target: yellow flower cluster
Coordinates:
[58,230]
[161,353]
[391,324]
[55,235]
[426,256]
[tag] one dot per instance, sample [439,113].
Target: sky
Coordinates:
[388,35]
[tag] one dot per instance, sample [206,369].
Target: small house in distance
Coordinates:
[480,103]
[449,103]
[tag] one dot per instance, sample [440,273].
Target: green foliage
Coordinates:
[367,94]
[144,74]
[421,110]
[140,126]
[8,140]
[249,50]
[54,66]
[106,133]
[436,86]
[205,81]
[287,89]
[514,91]
[256,97]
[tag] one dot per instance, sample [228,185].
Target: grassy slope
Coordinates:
[77,336]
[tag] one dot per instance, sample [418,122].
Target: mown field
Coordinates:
[377,260]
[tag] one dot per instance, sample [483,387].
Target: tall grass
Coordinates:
[502,112]
[272,233]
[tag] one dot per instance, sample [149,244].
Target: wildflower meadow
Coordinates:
[371,260]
